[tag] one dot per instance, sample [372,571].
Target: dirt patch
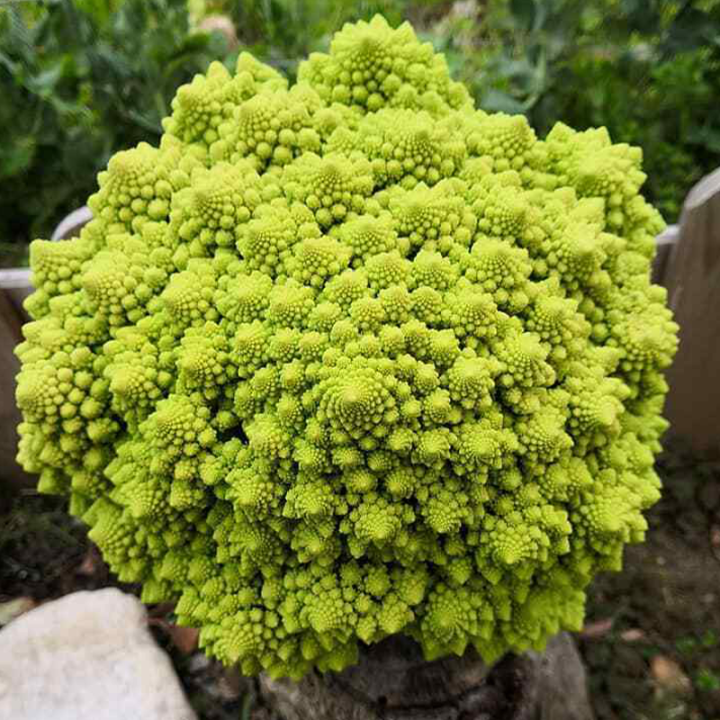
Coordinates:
[657,655]
[45,553]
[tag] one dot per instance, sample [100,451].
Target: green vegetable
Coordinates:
[351,359]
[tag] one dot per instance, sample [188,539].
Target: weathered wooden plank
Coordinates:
[664,244]
[692,277]
[11,475]
[15,285]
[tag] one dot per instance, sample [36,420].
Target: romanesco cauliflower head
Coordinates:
[352,358]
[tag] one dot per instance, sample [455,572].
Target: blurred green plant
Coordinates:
[689,644]
[80,79]
[707,680]
[649,70]
[281,32]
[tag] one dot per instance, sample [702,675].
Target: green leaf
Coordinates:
[524,12]
[497,101]
[706,137]
[17,156]
[149,124]
[690,30]
[7,63]
[707,681]
[44,82]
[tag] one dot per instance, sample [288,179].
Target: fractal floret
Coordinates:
[351,358]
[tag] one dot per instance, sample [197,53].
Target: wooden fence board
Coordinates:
[664,244]
[10,472]
[692,277]
[15,285]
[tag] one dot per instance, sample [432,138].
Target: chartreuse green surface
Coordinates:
[350,359]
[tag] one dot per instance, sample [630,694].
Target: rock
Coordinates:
[392,681]
[87,656]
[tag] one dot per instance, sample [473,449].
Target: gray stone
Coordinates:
[392,681]
[87,656]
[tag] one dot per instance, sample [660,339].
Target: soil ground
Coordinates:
[651,643]
[652,640]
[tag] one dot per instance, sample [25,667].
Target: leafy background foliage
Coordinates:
[649,70]
[81,79]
